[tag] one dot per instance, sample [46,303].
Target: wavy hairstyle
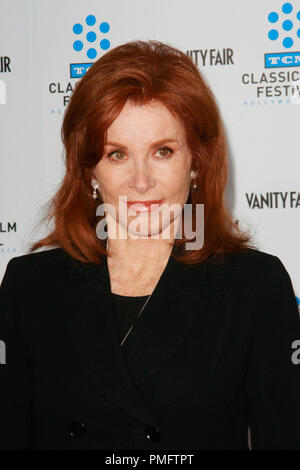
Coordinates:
[140,72]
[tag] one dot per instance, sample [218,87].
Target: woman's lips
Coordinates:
[145,206]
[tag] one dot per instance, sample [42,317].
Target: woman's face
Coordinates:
[136,166]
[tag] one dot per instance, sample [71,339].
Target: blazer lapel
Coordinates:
[115,371]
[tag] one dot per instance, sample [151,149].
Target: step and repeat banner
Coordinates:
[248,51]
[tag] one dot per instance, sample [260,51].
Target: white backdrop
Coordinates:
[230,41]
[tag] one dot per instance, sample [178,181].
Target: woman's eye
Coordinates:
[165,149]
[115,152]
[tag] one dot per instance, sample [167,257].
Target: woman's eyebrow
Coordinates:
[154,144]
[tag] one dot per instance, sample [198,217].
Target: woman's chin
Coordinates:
[154,233]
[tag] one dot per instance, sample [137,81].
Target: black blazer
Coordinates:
[210,355]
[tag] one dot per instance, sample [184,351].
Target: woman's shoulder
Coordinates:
[31,266]
[254,259]
[252,267]
[34,259]
[259,282]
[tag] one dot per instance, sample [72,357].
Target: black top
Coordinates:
[126,310]
[218,355]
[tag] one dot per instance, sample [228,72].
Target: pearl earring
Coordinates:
[95,185]
[193,176]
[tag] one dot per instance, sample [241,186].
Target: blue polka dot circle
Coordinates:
[90,20]
[91,36]
[104,27]
[104,44]
[273,17]
[287,8]
[91,53]
[273,34]
[78,45]
[287,42]
[77,28]
[287,25]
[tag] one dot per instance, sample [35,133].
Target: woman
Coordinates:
[137,340]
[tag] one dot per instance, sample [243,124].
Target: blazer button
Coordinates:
[77,429]
[152,433]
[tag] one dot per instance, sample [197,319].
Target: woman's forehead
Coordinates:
[149,123]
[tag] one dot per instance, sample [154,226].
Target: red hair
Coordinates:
[141,72]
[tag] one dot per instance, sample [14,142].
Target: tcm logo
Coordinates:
[284,29]
[78,70]
[88,38]
[282,59]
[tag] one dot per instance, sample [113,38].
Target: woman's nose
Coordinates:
[142,179]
